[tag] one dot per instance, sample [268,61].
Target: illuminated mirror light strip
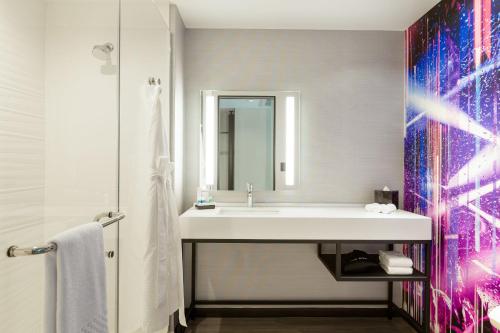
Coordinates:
[290,141]
[209,140]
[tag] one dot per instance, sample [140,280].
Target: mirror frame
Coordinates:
[286,137]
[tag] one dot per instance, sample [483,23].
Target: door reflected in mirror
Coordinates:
[246,141]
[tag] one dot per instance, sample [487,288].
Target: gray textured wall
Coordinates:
[352,103]
[178,31]
[351,85]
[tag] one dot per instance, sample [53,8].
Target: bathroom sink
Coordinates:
[302,222]
[242,211]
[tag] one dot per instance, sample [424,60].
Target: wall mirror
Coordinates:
[249,137]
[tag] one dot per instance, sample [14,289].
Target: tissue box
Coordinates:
[387,197]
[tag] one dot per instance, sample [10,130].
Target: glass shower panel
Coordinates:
[58,140]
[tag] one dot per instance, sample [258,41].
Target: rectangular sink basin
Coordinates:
[245,211]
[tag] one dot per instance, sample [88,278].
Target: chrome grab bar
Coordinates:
[15,251]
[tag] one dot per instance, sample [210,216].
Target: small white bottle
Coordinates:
[210,198]
[199,195]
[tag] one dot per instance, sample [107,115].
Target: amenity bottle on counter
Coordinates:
[204,198]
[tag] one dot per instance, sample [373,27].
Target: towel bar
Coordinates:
[15,251]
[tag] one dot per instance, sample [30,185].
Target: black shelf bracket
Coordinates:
[333,262]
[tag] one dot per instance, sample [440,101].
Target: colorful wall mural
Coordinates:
[452,160]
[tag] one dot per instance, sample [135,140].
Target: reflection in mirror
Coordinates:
[249,137]
[246,140]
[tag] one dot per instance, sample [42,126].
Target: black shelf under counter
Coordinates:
[375,274]
[333,263]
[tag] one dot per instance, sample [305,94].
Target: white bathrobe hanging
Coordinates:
[163,258]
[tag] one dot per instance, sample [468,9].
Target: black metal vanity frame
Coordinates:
[333,264]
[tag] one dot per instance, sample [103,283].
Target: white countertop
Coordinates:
[302,223]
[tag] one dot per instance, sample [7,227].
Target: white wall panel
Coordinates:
[21,161]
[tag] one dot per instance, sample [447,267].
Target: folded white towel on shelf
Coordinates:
[381,208]
[396,262]
[76,282]
[397,270]
[394,259]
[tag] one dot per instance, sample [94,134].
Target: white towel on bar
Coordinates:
[75,300]
[163,257]
[394,259]
[397,270]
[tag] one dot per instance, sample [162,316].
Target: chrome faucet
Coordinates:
[249,195]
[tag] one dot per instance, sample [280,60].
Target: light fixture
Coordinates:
[209,139]
[290,141]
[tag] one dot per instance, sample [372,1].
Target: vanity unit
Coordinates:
[251,141]
[318,224]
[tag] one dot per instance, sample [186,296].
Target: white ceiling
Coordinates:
[303,14]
